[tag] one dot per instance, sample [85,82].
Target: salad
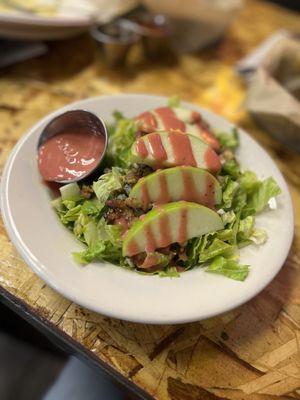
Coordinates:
[171,197]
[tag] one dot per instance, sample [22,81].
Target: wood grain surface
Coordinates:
[249,353]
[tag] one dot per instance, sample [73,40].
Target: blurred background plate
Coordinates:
[51,20]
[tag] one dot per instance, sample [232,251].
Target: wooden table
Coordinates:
[249,353]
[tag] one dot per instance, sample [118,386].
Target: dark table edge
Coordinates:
[66,343]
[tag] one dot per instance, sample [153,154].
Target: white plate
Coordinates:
[46,245]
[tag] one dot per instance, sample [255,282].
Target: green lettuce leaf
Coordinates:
[103,241]
[113,233]
[259,236]
[228,140]
[92,207]
[227,267]
[240,199]
[108,183]
[226,235]
[195,247]
[71,215]
[169,272]
[79,225]
[118,115]
[248,181]
[216,248]
[102,250]
[91,234]
[228,193]
[232,168]
[245,228]
[57,204]
[228,217]
[244,232]
[71,191]
[121,138]
[69,204]
[261,196]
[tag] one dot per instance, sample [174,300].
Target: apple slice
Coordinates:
[170,223]
[177,118]
[178,183]
[171,149]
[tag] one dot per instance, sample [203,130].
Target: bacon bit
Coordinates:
[132,203]
[118,210]
[165,250]
[137,173]
[195,117]
[116,203]
[123,203]
[86,191]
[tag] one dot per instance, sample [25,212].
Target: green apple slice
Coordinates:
[178,183]
[170,223]
[177,118]
[171,149]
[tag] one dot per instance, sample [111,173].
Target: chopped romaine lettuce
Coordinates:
[259,236]
[245,228]
[228,140]
[57,204]
[227,267]
[265,191]
[216,248]
[92,207]
[103,250]
[71,191]
[226,235]
[71,215]
[80,224]
[169,272]
[108,183]
[228,217]
[121,138]
[232,168]
[228,193]
[248,181]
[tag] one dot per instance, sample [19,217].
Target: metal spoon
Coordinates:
[75,119]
